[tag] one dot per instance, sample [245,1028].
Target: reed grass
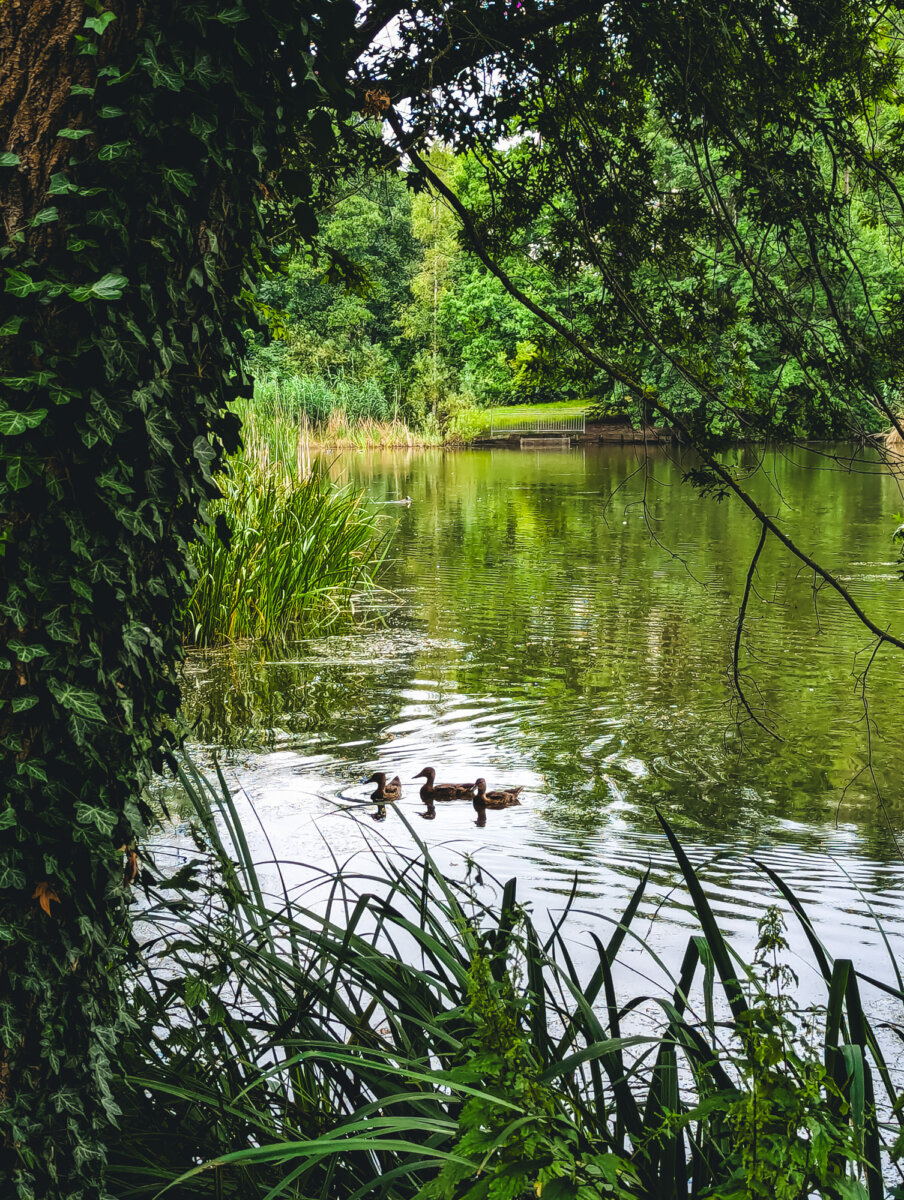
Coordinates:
[317,413]
[301,549]
[400,1038]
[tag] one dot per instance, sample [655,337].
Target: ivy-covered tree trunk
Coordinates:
[138,145]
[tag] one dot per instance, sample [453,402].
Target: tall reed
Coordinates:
[399,1038]
[300,550]
[294,416]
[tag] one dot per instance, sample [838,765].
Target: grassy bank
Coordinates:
[401,1038]
[565,408]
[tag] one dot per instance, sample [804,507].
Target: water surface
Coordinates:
[564,620]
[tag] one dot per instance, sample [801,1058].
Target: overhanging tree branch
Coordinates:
[618,374]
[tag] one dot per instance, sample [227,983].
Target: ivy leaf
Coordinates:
[45,216]
[11,327]
[99,24]
[74,134]
[12,878]
[12,422]
[77,700]
[110,287]
[8,159]
[60,185]
[112,150]
[20,284]
[21,703]
[44,894]
[183,180]
[17,473]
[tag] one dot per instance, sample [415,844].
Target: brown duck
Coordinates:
[431,792]
[385,791]
[501,798]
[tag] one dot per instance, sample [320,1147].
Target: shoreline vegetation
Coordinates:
[385,1029]
[288,551]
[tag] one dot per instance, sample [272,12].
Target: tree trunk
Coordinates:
[123,247]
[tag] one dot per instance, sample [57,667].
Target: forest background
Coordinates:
[389,323]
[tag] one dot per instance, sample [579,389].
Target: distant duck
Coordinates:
[431,792]
[406,501]
[500,798]
[385,791]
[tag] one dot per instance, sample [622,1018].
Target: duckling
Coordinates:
[501,798]
[431,792]
[385,791]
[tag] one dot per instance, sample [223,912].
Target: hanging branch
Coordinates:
[619,375]
[736,652]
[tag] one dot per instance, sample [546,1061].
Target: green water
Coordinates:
[564,620]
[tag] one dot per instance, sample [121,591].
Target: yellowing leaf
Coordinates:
[44,893]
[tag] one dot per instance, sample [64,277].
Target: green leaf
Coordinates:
[99,24]
[74,135]
[60,185]
[17,473]
[27,653]
[8,159]
[19,284]
[78,90]
[112,150]
[195,990]
[12,422]
[76,700]
[183,180]
[45,215]
[21,703]
[110,287]
[12,878]
[11,327]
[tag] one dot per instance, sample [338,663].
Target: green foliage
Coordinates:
[286,556]
[121,336]
[734,266]
[394,1030]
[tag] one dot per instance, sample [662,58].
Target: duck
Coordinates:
[380,814]
[500,798]
[431,792]
[385,791]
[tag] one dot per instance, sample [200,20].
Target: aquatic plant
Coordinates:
[273,432]
[287,554]
[393,1035]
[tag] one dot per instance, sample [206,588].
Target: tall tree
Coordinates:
[152,152]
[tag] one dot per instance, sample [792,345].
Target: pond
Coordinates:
[564,620]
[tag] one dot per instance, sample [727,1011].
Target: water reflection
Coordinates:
[563,622]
